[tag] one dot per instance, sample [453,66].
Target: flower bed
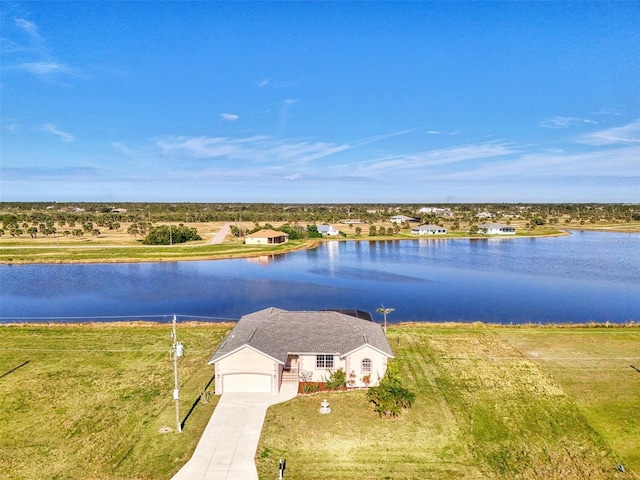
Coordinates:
[307,388]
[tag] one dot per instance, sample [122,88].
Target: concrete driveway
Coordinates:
[228,445]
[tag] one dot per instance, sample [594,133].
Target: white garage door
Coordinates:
[246,383]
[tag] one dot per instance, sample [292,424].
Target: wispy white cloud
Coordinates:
[11,127]
[41,62]
[28,27]
[258,148]
[44,68]
[264,82]
[384,136]
[627,134]
[402,164]
[122,148]
[558,166]
[229,116]
[53,130]
[565,122]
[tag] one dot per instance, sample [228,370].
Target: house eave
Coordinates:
[214,360]
[388,355]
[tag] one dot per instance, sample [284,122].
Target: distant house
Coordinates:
[429,230]
[496,229]
[266,237]
[328,230]
[484,215]
[272,346]
[401,219]
[441,212]
[351,221]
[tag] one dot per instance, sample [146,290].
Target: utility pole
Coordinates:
[177,351]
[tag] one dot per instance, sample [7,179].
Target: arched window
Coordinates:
[366,365]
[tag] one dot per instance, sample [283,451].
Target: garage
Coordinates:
[246,383]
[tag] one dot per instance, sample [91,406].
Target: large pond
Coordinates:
[581,277]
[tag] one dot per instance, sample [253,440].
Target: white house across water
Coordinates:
[272,346]
[429,230]
[496,229]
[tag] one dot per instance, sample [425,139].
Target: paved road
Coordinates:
[228,445]
[221,234]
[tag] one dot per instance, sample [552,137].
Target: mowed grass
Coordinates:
[491,402]
[483,409]
[596,368]
[157,253]
[92,399]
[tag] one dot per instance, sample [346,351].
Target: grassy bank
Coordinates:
[487,406]
[112,254]
[92,401]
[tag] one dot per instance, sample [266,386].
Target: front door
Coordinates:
[291,365]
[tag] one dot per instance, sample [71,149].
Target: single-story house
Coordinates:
[273,345]
[484,215]
[496,229]
[401,219]
[266,237]
[429,230]
[328,230]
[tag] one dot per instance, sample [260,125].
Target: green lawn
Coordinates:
[106,254]
[483,410]
[491,403]
[594,367]
[92,399]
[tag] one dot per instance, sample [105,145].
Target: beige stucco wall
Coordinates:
[307,363]
[256,241]
[378,366]
[247,360]
[352,363]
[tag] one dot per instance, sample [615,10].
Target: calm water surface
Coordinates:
[578,278]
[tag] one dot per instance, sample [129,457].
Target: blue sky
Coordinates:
[320,101]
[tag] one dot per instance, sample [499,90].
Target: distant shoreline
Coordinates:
[408,324]
[33,255]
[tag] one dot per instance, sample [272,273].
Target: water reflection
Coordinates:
[578,278]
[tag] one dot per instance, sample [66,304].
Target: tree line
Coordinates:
[40,218]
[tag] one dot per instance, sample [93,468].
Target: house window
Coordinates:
[324,361]
[366,365]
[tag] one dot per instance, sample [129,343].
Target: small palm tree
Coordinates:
[384,312]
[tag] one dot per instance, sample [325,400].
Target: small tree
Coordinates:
[389,398]
[337,379]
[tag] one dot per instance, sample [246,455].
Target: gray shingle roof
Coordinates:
[277,333]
